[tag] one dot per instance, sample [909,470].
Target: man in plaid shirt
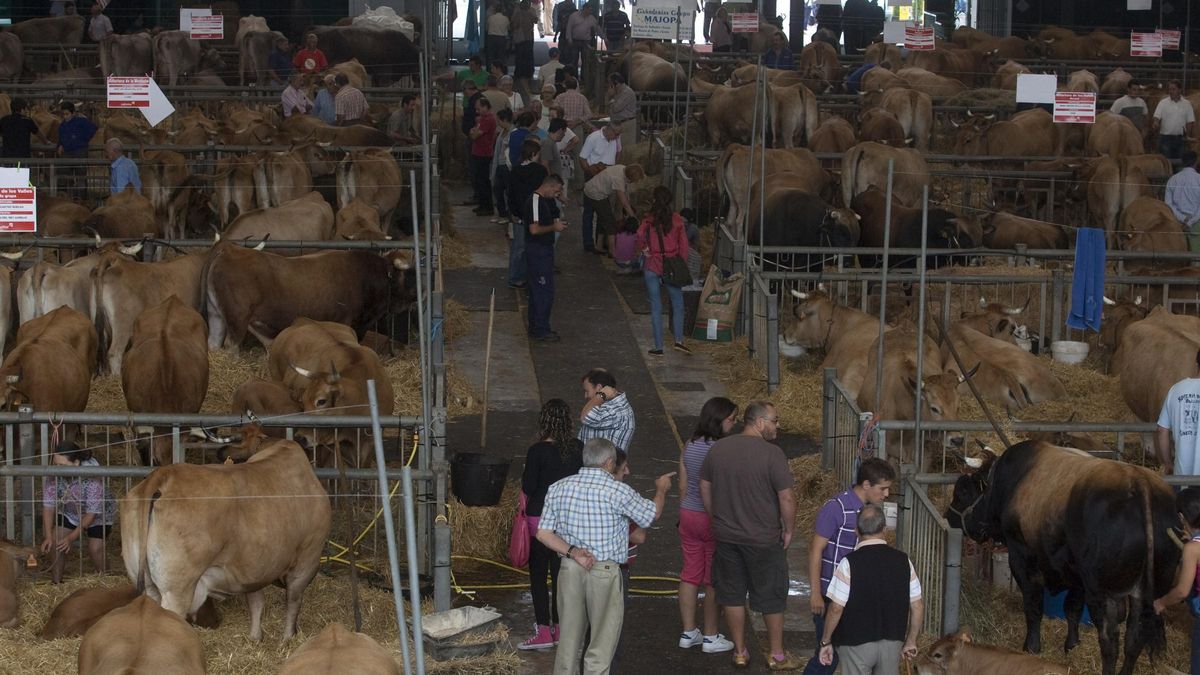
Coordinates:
[586,520]
[606,411]
[349,104]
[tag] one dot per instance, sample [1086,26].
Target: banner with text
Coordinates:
[186,14]
[1075,107]
[917,38]
[744,22]
[18,201]
[1145,44]
[129,92]
[211,27]
[662,20]
[1170,39]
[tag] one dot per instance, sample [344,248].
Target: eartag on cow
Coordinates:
[31,561]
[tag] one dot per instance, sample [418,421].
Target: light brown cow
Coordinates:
[1152,355]
[141,637]
[791,113]
[1148,224]
[1007,74]
[263,399]
[866,164]
[1116,82]
[1010,47]
[843,333]
[66,30]
[651,72]
[993,319]
[175,55]
[933,84]
[748,73]
[52,363]
[1083,81]
[1112,185]
[307,218]
[81,610]
[819,67]
[162,172]
[881,126]
[1007,375]
[735,174]
[1073,48]
[354,71]
[337,650]
[373,176]
[1114,135]
[957,655]
[1006,231]
[47,286]
[358,221]
[125,288]
[125,215]
[834,135]
[304,128]
[914,110]
[1118,316]
[967,66]
[126,55]
[192,531]
[887,55]
[13,558]
[281,177]
[1029,133]
[165,369]
[233,187]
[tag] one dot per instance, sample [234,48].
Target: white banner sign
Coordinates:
[1033,88]
[744,22]
[919,39]
[185,17]
[1170,39]
[160,108]
[18,201]
[211,27]
[1145,44]
[662,20]
[129,92]
[1075,107]
[893,31]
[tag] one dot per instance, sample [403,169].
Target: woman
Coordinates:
[1188,581]
[548,94]
[663,232]
[553,458]
[70,505]
[695,530]
[514,99]
[721,32]
[523,180]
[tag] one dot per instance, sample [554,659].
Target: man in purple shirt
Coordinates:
[836,536]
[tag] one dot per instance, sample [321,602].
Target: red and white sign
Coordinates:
[1075,107]
[129,92]
[210,27]
[917,38]
[1145,44]
[1170,39]
[18,209]
[744,22]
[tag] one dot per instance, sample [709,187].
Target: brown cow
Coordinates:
[1007,375]
[263,399]
[304,128]
[162,173]
[791,113]
[1029,133]
[1114,135]
[956,654]
[1118,316]
[47,286]
[216,530]
[819,67]
[233,188]
[52,363]
[914,111]
[1074,48]
[374,177]
[834,135]
[1083,81]
[66,30]
[1116,82]
[358,221]
[967,37]
[125,215]
[60,216]
[1007,74]
[969,67]
[177,56]
[881,126]
[1148,224]
[1010,47]
[338,650]
[735,174]
[13,558]
[866,164]
[255,46]
[141,637]
[81,610]
[125,288]
[305,218]
[1112,185]
[887,55]
[1006,231]
[126,55]
[245,288]
[165,369]
[281,177]
[1152,355]
[843,333]
[937,86]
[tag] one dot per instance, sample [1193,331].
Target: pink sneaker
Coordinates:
[542,639]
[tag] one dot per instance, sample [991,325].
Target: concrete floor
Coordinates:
[593,314]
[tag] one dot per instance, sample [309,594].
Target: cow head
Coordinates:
[954,231]
[943,655]
[325,391]
[839,228]
[1118,316]
[994,319]
[940,397]
[812,320]
[249,441]
[12,393]
[966,504]
[972,134]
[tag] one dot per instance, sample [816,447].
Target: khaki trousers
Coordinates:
[872,658]
[588,598]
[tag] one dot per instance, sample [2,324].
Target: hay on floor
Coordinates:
[814,486]
[483,531]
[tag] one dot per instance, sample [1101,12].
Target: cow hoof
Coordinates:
[1033,646]
[1071,643]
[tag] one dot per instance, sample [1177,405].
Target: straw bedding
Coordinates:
[483,531]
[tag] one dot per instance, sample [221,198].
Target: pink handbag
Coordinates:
[518,542]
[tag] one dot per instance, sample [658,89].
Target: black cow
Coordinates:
[795,217]
[946,229]
[387,54]
[1094,527]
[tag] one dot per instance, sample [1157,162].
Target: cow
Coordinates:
[165,369]
[748,73]
[791,113]
[125,215]
[307,218]
[12,57]
[1152,355]
[141,637]
[844,334]
[993,319]
[372,176]
[967,37]
[192,531]
[13,558]
[124,289]
[1095,528]
[1148,224]
[932,84]
[969,67]
[914,111]
[254,48]
[1007,231]
[834,135]
[1118,316]
[1116,82]
[1112,185]
[52,364]
[797,217]
[945,228]
[126,55]
[66,30]
[1007,74]
[47,286]
[81,610]
[264,399]
[736,172]
[819,67]
[1010,47]
[1029,133]
[957,654]
[232,188]
[388,54]
[194,128]
[866,164]
[303,128]
[162,173]
[176,55]
[338,650]
[352,69]
[243,288]
[1073,48]
[1007,375]
[649,72]
[887,55]
[1114,135]
[60,216]
[881,126]
[358,221]
[1083,81]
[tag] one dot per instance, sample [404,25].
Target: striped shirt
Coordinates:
[613,420]
[350,104]
[575,106]
[836,521]
[592,510]
[839,587]
[294,100]
[693,458]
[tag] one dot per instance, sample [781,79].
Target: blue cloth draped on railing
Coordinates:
[1087,284]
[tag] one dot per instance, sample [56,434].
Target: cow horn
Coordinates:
[99,241]
[1013,312]
[955,124]
[263,244]
[1109,301]
[821,287]
[800,295]
[1138,301]
[974,462]
[302,372]
[213,438]
[969,373]
[990,117]
[133,250]
[401,262]
[13,256]
[216,237]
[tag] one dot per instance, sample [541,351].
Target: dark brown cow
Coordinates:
[957,655]
[81,610]
[1010,47]
[866,165]
[735,174]
[946,229]
[141,637]
[881,126]
[1006,231]
[125,215]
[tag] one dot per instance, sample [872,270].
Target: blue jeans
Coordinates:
[516,253]
[500,190]
[814,666]
[589,219]
[654,285]
[539,259]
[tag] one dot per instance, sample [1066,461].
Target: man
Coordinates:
[710,12]
[622,108]
[1179,426]
[562,14]
[349,104]
[600,150]
[835,537]
[549,157]
[470,95]
[874,595]
[549,68]
[544,220]
[124,172]
[483,142]
[582,29]
[294,99]
[780,55]
[1183,196]
[521,24]
[498,99]
[497,35]
[324,108]
[474,73]
[606,411]
[586,520]
[597,204]
[862,21]
[16,130]
[75,132]
[524,127]
[566,146]
[1173,119]
[310,59]
[403,123]
[501,166]
[574,104]
[99,26]
[1131,101]
[279,62]
[616,26]
[746,486]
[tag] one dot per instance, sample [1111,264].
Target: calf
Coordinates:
[12,559]
[141,637]
[337,650]
[81,610]
[956,654]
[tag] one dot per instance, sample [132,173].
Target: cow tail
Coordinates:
[144,544]
[811,115]
[850,175]
[1149,629]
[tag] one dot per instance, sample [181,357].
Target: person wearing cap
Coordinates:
[124,173]
[310,59]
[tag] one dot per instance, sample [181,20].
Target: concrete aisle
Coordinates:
[594,313]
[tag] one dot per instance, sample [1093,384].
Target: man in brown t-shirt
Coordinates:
[747,490]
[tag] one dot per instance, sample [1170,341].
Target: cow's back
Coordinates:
[337,650]
[81,610]
[65,326]
[1154,354]
[141,637]
[165,368]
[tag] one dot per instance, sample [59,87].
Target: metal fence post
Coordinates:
[27,502]
[772,340]
[1056,291]
[904,525]
[950,596]
[828,418]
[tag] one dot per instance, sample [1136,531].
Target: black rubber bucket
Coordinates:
[478,479]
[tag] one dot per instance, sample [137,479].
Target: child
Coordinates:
[625,252]
[1188,503]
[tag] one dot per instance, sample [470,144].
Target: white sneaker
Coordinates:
[716,644]
[693,638]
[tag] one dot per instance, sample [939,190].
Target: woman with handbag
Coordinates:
[554,457]
[662,238]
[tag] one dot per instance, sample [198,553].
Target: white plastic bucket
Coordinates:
[1068,351]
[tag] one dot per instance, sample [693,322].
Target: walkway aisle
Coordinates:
[592,314]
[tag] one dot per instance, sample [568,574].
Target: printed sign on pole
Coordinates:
[1145,44]
[211,27]
[18,201]
[129,92]
[1170,39]
[918,39]
[662,20]
[744,22]
[1075,107]
[1036,88]
[185,17]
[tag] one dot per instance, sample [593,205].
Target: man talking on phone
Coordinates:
[545,222]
